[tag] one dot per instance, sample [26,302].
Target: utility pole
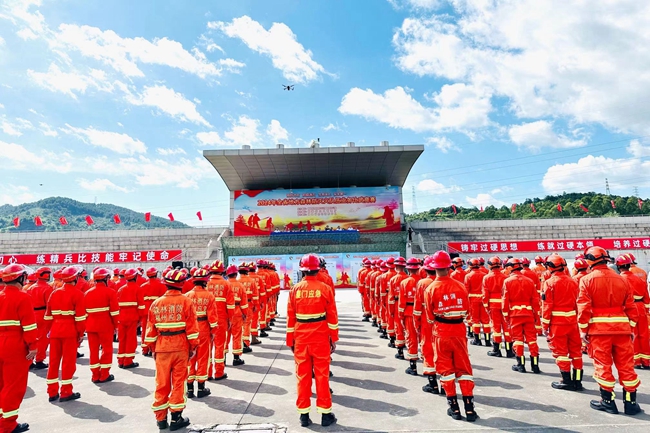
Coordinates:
[636,191]
[607,187]
[413,200]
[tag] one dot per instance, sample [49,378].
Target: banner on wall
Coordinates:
[368,209]
[62,259]
[342,267]
[548,245]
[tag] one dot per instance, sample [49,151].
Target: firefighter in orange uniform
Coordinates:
[581,269]
[151,290]
[492,293]
[637,270]
[423,327]
[253,300]
[539,268]
[388,271]
[405,313]
[521,310]
[239,315]
[116,276]
[459,273]
[121,281]
[370,285]
[129,298]
[482,268]
[40,293]
[66,323]
[560,324]
[31,280]
[260,322]
[173,337]
[397,340]
[527,272]
[312,333]
[102,309]
[363,291]
[225,304]
[446,304]
[606,317]
[642,303]
[480,319]
[207,320]
[18,341]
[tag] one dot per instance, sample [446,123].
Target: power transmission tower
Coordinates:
[413,200]
[636,191]
[607,187]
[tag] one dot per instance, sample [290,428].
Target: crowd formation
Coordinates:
[430,309]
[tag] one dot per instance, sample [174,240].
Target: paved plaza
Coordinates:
[371,393]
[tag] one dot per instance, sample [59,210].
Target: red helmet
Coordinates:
[152,272]
[458,262]
[474,263]
[514,263]
[596,255]
[243,267]
[494,262]
[413,263]
[131,274]
[428,264]
[84,273]
[525,261]
[122,271]
[539,259]
[580,264]
[623,259]
[232,269]
[252,267]
[175,278]
[632,257]
[217,267]
[580,256]
[400,261]
[116,271]
[365,261]
[13,272]
[194,268]
[383,266]
[101,274]
[70,274]
[43,273]
[481,261]
[32,277]
[390,263]
[201,275]
[441,260]
[309,262]
[555,262]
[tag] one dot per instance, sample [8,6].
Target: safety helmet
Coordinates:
[365,261]
[70,273]
[201,275]
[217,267]
[579,256]
[122,271]
[383,267]
[458,262]
[309,262]
[400,261]
[428,264]
[481,260]
[232,269]
[243,266]
[441,260]
[116,271]
[494,262]
[596,255]
[390,263]
[623,259]
[101,274]
[32,277]
[555,262]
[525,261]
[413,263]
[252,267]
[194,268]
[13,272]
[84,273]
[131,274]
[632,257]
[539,259]
[152,272]
[580,264]
[474,263]
[43,273]
[514,263]
[175,278]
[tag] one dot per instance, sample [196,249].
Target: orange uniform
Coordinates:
[131,303]
[639,272]
[206,316]
[40,293]
[371,276]
[405,313]
[172,334]
[312,325]
[642,303]
[102,309]
[578,275]
[365,300]
[382,285]
[150,290]
[253,300]
[477,313]
[492,290]
[422,325]
[521,310]
[225,305]
[239,316]
[18,335]
[263,307]
[393,298]
[459,275]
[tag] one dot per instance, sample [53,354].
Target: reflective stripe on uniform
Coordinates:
[81,318]
[563,313]
[335,326]
[170,325]
[97,310]
[9,322]
[127,304]
[309,316]
[10,414]
[617,319]
[31,327]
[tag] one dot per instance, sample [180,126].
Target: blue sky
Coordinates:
[513,99]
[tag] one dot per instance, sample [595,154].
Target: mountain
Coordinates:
[597,205]
[51,209]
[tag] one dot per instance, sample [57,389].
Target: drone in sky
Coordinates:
[288,88]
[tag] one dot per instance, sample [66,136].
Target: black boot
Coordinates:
[413,369]
[190,389]
[521,365]
[305,421]
[203,391]
[391,343]
[21,427]
[534,364]
[566,383]
[454,409]
[470,413]
[374,323]
[237,361]
[80,355]
[40,365]
[470,334]
[379,329]
[247,349]
[476,341]
[327,419]
[496,351]
[178,422]
[365,319]
[606,402]
[132,365]
[263,334]
[577,380]
[73,396]
[400,353]
[432,386]
[509,352]
[487,339]
[631,406]
[162,425]
[384,334]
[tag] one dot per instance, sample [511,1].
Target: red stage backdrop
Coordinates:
[549,246]
[62,259]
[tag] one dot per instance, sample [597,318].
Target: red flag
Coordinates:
[613,204]
[640,203]
[37,221]
[63,221]
[117,219]
[453,207]
[532,206]
[147,216]
[171,216]
[583,207]
[16,222]
[559,207]
[513,208]
[481,208]
[89,220]
[439,211]
[198,214]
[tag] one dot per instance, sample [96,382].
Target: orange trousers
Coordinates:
[264,310]
[101,354]
[390,315]
[566,346]
[500,330]
[171,375]
[618,350]
[373,304]
[255,321]
[383,311]
[480,317]
[43,340]
[641,337]
[411,339]
[219,350]
[426,345]
[236,331]
[199,364]
[400,338]
[63,354]
[143,327]
[246,328]
[313,359]
[452,362]
[14,370]
[524,331]
[365,302]
[127,334]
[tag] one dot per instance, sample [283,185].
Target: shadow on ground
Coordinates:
[371,385]
[252,387]
[359,354]
[235,406]
[362,366]
[518,404]
[82,410]
[379,406]
[121,389]
[260,369]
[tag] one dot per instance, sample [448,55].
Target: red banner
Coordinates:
[547,245]
[62,259]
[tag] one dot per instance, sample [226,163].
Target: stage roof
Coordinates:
[325,167]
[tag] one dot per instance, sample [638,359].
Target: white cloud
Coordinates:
[18,12]
[432,187]
[209,45]
[638,150]
[459,107]
[232,65]
[539,134]
[100,185]
[331,127]
[70,83]
[2,41]
[170,102]
[484,200]
[2,106]
[47,130]
[155,172]
[244,130]
[279,43]
[115,141]
[16,127]
[443,144]
[578,63]
[19,194]
[276,132]
[416,4]
[169,151]
[23,159]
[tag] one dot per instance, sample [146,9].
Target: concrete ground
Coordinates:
[371,393]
